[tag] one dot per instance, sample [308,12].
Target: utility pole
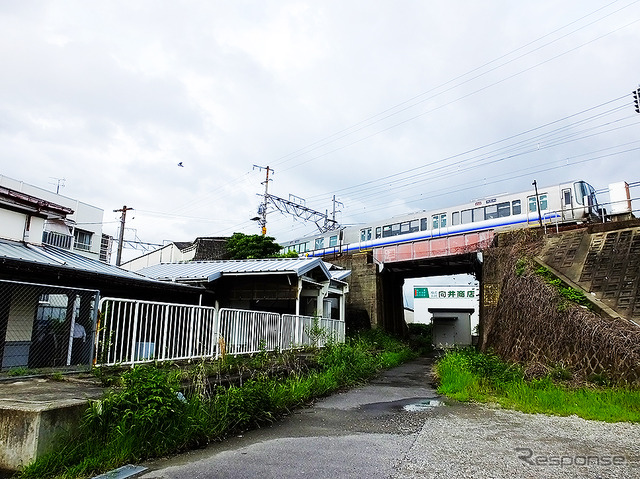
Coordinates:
[535,185]
[333,214]
[262,211]
[123,210]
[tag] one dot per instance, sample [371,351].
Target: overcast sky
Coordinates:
[391,106]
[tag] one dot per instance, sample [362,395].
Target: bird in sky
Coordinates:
[181,165]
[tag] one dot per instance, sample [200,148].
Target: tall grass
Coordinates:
[149,416]
[468,375]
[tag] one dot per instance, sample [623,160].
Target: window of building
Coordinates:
[82,240]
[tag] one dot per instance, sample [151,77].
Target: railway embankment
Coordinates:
[531,320]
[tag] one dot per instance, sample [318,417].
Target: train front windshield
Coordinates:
[585,191]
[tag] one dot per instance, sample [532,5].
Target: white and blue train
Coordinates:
[570,202]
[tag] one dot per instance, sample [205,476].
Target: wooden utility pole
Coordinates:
[123,210]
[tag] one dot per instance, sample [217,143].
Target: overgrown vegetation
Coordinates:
[567,292]
[155,410]
[467,375]
[420,338]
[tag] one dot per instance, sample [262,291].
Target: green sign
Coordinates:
[420,292]
[443,293]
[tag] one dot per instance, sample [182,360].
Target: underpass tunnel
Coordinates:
[433,271]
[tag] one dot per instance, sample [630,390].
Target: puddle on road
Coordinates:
[423,405]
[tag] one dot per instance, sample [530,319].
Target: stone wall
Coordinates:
[363,300]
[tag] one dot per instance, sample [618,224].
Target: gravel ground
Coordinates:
[474,441]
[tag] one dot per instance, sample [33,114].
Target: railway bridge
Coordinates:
[600,259]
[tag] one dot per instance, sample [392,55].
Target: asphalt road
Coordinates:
[397,427]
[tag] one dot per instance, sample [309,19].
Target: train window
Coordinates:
[543,202]
[395,229]
[424,224]
[414,226]
[533,204]
[365,234]
[378,232]
[319,243]
[404,228]
[455,218]
[386,231]
[305,247]
[333,241]
[478,214]
[491,212]
[439,221]
[504,209]
[466,216]
[567,197]
[516,207]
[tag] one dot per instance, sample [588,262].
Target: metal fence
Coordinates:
[131,332]
[45,326]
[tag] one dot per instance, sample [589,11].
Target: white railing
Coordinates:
[131,332]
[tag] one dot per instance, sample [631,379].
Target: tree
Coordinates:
[242,246]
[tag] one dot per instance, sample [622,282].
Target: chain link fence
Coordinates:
[45,327]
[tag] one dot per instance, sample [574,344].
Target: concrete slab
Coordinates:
[34,412]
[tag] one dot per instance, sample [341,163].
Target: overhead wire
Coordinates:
[342,133]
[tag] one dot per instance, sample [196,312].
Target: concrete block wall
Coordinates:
[364,289]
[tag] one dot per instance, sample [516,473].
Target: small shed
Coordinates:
[451,327]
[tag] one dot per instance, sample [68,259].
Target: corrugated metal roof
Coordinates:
[340,274]
[52,256]
[212,270]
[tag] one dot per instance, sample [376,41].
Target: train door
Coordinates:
[439,223]
[566,203]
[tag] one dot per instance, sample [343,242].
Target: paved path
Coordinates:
[389,429]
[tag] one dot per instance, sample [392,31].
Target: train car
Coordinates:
[570,202]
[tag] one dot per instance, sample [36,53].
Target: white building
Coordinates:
[453,310]
[70,224]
